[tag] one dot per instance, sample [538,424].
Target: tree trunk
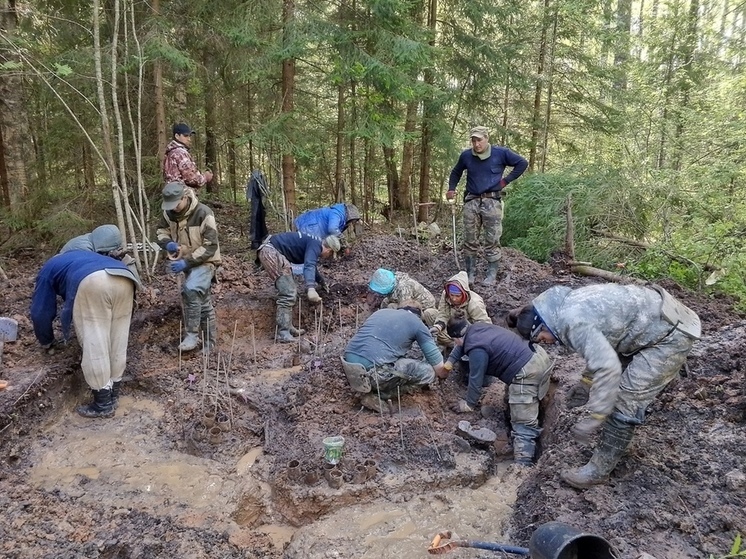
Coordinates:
[353,147]
[160,107]
[288,90]
[536,124]
[211,143]
[339,193]
[550,91]
[392,177]
[621,49]
[429,114]
[407,158]
[17,156]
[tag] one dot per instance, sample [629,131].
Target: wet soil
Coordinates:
[154,482]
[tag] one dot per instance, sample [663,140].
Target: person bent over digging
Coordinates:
[494,351]
[98,293]
[188,232]
[634,340]
[374,360]
[277,253]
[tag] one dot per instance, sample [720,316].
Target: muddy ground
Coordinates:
[152,483]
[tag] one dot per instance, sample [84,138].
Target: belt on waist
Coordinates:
[495,194]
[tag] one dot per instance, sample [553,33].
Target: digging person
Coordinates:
[493,351]
[331,220]
[608,325]
[104,239]
[98,293]
[457,301]
[374,360]
[188,232]
[483,210]
[277,254]
[388,289]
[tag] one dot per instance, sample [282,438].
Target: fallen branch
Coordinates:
[584,270]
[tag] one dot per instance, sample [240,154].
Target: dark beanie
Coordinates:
[457,327]
[525,321]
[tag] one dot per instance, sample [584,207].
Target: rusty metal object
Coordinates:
[442,543]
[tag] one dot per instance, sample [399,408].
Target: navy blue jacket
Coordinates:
[301,248]
[61,275]
[484,175]
[493,351]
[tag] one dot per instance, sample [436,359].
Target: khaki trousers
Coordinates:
[101,314]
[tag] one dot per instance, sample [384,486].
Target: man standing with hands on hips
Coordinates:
[484,165]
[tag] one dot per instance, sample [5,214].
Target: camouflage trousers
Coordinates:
[483,216]
[529,386]
[280,271]
[405,374]
[647,374]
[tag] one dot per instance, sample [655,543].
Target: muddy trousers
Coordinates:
[485,216]
[101,315]
[400,377]
[528,387]
[196,296]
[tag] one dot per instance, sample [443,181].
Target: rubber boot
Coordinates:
[492,268]
[192,314]
[284,323]
[115,393]
[524,443]
[471,266]
[615,439]
[209,328]
[101,406]
[190,342]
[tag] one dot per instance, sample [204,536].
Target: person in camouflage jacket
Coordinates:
[388,289]
[178,165]
[634,340]
[457,301]
[187,230]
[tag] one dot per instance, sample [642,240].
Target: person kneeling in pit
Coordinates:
[494,351]
[387,290]
[374,360]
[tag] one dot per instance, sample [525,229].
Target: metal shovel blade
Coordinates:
[8,329]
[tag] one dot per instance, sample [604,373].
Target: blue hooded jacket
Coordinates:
[322,222]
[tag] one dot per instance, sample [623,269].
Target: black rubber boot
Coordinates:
[615,439]
[284,324]
[471,266]
[492,268]
[115,393]
[524,443]
[102,406]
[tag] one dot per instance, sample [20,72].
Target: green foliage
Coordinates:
[735,550]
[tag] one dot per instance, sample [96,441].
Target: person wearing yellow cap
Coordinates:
[388,289]
[485,165]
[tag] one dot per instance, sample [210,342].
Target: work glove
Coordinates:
[461,407]
[585,429]
[178,266]
[443,371]
[172,247]
[578,395]
[313,297]
[451,194]
[436,329]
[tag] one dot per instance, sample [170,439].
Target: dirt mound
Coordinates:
[151,483]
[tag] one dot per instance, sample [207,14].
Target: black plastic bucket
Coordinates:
[557,540]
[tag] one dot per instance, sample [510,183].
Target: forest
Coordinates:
[630,114]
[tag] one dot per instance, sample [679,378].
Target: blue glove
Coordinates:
[172,247]
[178,266]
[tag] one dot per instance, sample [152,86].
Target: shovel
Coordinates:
[442,543]
[8,333]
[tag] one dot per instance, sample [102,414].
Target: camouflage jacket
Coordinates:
[178,165]
[602,323]
[408,288]
[474,310]
[195,230]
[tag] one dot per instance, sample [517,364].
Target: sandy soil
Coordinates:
[151,483]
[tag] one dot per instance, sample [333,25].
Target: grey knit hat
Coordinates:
[106,238]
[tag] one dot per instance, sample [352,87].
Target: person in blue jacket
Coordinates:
[331,220]
[277,254]
[97,293]
[484,165]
